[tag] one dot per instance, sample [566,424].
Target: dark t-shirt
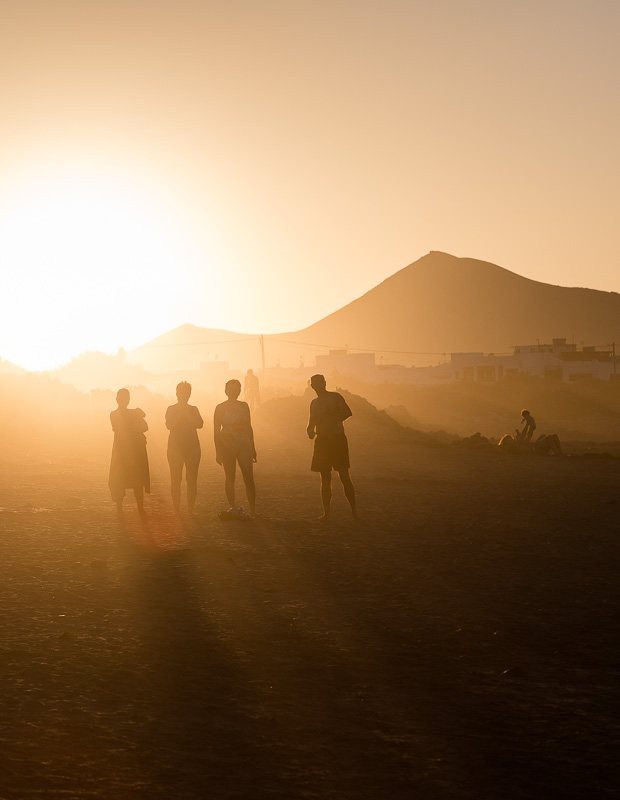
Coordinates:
[327,412]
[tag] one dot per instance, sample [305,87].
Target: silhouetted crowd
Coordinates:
[234,445]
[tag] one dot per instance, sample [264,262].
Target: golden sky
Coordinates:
[256,165]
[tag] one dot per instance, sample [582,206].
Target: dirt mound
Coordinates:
[282,422]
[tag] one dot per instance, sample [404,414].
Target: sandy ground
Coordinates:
[461,642]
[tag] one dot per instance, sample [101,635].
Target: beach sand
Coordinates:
[461,641]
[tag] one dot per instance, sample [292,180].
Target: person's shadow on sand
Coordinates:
[206,741]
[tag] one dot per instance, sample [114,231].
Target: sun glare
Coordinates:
[91,260]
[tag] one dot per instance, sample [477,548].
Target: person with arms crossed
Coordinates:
[183,422]
[234,443]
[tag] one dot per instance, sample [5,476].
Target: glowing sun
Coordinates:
[91,259]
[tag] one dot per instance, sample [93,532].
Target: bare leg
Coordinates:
[139,493]
[326,492]
[247,471]
[118,496]
[191,476]
[230,468]
[349,491]
[556,447]
[176,472]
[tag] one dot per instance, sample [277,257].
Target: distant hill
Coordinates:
[439,304]
[442,303]
[187,346]
[101,371]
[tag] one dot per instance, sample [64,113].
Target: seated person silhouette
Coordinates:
[548,444]
[129,466]
[183,422]
[328,411]
[234,444]
[529,426]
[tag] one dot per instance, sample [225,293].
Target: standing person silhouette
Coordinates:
[251,389]
[328,411]
[183,421]
[129,465]
[234,443]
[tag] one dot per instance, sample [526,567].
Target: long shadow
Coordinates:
[366,732]
[328,698]
[200,734]
[419,726]
[196,734]
[435,687]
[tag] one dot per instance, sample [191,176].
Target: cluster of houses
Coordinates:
[558,361]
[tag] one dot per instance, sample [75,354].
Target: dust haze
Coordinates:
[309,400]
[453,634]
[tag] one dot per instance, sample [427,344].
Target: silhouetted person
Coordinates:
[234,443]
[545,444]
[548,444]
[328,411]
[129,466]
[251,390]
[509,442]
[529,426]
[183,421]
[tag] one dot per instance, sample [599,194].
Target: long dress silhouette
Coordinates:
[129,465]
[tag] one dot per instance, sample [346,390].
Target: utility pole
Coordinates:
[261,339]
[613,357]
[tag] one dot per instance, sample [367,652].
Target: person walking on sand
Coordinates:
[328,411]
[129,465]
[183,422]
[234,444]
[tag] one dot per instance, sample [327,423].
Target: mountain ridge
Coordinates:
[440,303]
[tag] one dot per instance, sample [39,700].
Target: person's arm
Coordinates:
[217,427]
[250,429]
[169,415]
[345,410]
[141,424]
[311,429]
[198,421]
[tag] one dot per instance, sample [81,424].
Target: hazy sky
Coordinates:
[256,165]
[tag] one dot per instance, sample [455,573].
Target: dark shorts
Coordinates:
[241,454]
[330,452]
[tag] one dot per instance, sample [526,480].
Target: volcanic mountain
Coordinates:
[439,304]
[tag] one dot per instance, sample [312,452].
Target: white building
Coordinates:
[559,361]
